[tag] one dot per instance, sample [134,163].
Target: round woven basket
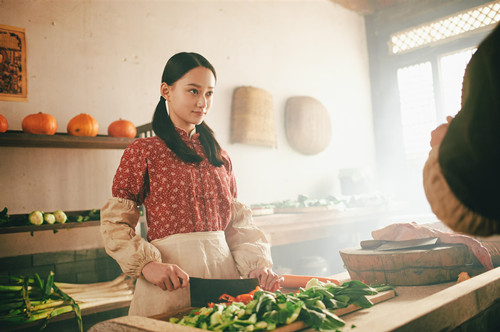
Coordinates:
[308,125]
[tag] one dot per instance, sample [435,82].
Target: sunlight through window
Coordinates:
[452,70]
[445,28]
[418,111]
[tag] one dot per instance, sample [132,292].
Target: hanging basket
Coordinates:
[252,117]
[308,125]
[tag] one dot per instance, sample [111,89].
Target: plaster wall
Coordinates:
[106,57]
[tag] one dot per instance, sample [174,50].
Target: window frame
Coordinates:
[392,166]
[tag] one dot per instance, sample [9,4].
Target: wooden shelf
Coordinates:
[47,227]
[60,140]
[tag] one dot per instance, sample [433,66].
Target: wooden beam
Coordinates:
[363,7]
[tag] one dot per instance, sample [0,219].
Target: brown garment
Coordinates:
[469,155]
[447,207]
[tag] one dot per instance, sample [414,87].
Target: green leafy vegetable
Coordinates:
[314,305]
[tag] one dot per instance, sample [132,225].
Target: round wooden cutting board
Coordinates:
[407,267]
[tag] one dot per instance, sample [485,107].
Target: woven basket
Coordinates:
[308,125]
[252,117]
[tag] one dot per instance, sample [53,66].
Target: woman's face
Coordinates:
[190,98]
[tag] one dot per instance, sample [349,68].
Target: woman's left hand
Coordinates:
[268,280]
[437,134]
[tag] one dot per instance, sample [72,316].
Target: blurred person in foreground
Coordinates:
[462,173]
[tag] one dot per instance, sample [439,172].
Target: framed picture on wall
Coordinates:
[13,76]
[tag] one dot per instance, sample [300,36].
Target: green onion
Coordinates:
[33,299]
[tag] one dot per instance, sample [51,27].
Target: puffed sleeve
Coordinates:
[248,244]
[119,216]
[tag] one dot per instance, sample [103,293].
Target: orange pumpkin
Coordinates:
[83,125]
[122,128]
[39,123]
[3,124]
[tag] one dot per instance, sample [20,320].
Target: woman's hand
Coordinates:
[268,280]
[166,276]
[437,134]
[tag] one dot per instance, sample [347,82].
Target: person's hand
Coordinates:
[268,280]
[437,134]
[166,276]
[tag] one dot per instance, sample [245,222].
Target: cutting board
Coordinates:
[410,267]
[296,326]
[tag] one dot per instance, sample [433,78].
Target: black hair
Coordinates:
[177,66]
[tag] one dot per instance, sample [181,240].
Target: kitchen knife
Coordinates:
[204,291]
[396,245]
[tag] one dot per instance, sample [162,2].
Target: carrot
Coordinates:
[296,281]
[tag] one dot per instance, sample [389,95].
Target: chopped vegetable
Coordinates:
[94,214]
[297,281]
[314,305]
[244,298]
[36,218]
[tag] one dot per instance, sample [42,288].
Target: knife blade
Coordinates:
[397,245]
[204,291]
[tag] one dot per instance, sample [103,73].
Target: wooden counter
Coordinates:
[287,228]
[441,307]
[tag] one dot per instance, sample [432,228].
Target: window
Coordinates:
[418,113]
[445,28]
[417,74]
[452,70]
[418,104]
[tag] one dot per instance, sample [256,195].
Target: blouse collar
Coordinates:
[187,136]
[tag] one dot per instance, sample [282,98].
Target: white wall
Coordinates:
[106,57]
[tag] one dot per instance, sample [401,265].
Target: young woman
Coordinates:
[196,227]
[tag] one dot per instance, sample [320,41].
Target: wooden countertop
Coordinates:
[286,228]
[440,307]
[416,308]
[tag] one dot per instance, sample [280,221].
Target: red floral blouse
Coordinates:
[179,197]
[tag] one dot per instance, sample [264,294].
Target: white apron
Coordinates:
[200,254]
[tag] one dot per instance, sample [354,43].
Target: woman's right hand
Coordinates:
[166,276]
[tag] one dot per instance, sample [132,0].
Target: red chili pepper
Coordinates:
[257,289]
[227,298]
[245,298]
[211,305]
